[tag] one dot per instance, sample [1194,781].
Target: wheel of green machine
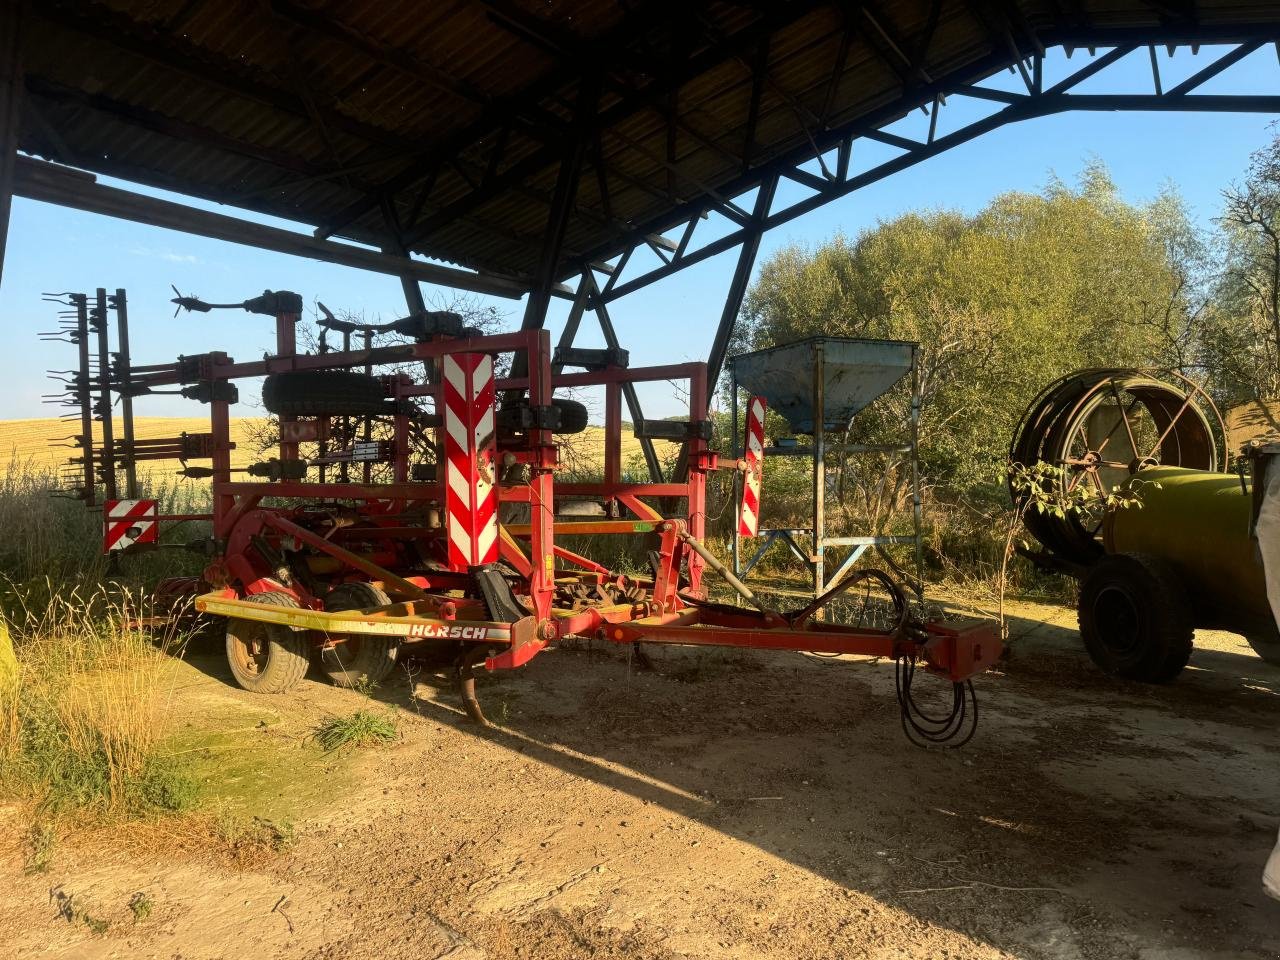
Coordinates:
[267,657]
[1266,644]
[1134,619]
[357,659]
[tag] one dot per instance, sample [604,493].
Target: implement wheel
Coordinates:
[357,659]
[267,657]
[322,393]
[1134,618]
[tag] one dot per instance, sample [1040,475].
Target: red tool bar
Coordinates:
[588,378]
[867,643]
[520,494]
[597,378]
[331,491]
[348,359]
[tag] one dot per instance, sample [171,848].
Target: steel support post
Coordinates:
[396,247]
[13,14]
[570,331]
[562,201]
[628,389]
[738,285]
[733,303]
[587,297]
[819,472]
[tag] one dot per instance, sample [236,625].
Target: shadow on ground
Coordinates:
[1088,817]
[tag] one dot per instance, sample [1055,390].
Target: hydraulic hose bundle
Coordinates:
[951,730]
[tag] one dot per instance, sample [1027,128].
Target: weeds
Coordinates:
[73,911]
[42,842]
[140,905]
[247,837]
[51,540]
[360,729]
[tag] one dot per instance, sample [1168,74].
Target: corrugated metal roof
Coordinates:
[457,113]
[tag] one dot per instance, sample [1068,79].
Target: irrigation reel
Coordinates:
[1100,427]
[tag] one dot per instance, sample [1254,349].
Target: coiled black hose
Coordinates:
[924,730]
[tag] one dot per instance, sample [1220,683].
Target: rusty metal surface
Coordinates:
[1100,427]
[855,373]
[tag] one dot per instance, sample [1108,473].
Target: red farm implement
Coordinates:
[414,500]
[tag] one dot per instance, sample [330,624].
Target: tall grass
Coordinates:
[84,691]
[50,539]
[85,708]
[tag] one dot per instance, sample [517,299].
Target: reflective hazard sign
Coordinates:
[127,522]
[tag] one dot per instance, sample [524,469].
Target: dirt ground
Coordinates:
[728,806]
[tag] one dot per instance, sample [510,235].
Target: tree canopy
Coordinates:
[1001,302]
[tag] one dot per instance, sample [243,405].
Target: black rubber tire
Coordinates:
[1134,618]
[573,415]
[1266,644]
[360,659]
[283,653]
[324,393]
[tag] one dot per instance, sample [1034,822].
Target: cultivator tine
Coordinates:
[78,476]
[465,671]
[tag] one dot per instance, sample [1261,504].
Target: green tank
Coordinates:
[1198,523]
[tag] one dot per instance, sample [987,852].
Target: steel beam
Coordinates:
[733,302]
[395,247]
[535,314]
[38,180]
[12,22]
[738,284]
[628,389]
[1017,107]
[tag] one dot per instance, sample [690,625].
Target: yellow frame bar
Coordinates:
[355,621]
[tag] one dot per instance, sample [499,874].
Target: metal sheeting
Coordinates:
[455,114]
[855,372]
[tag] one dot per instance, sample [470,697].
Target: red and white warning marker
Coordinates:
[129,522]
[470,450]
[749,517]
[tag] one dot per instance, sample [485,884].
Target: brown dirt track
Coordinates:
[731,806]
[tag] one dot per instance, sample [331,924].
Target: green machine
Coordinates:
[1187,558]
[1189,555]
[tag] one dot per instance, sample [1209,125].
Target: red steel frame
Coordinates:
[253,536]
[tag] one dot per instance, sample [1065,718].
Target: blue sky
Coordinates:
[52,248]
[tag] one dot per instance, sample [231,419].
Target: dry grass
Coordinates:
[51,540]
[85,708]
[43,443]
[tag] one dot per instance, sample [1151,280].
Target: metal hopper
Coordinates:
[852,373]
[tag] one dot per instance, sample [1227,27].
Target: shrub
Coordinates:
[359,729]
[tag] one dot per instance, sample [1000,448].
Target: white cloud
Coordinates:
[167,255]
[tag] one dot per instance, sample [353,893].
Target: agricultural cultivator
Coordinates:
[413,501]
[1190,553]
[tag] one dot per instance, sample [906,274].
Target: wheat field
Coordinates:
[43,444]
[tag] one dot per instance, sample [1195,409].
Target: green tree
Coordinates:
[1241,345]
[1001,302]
